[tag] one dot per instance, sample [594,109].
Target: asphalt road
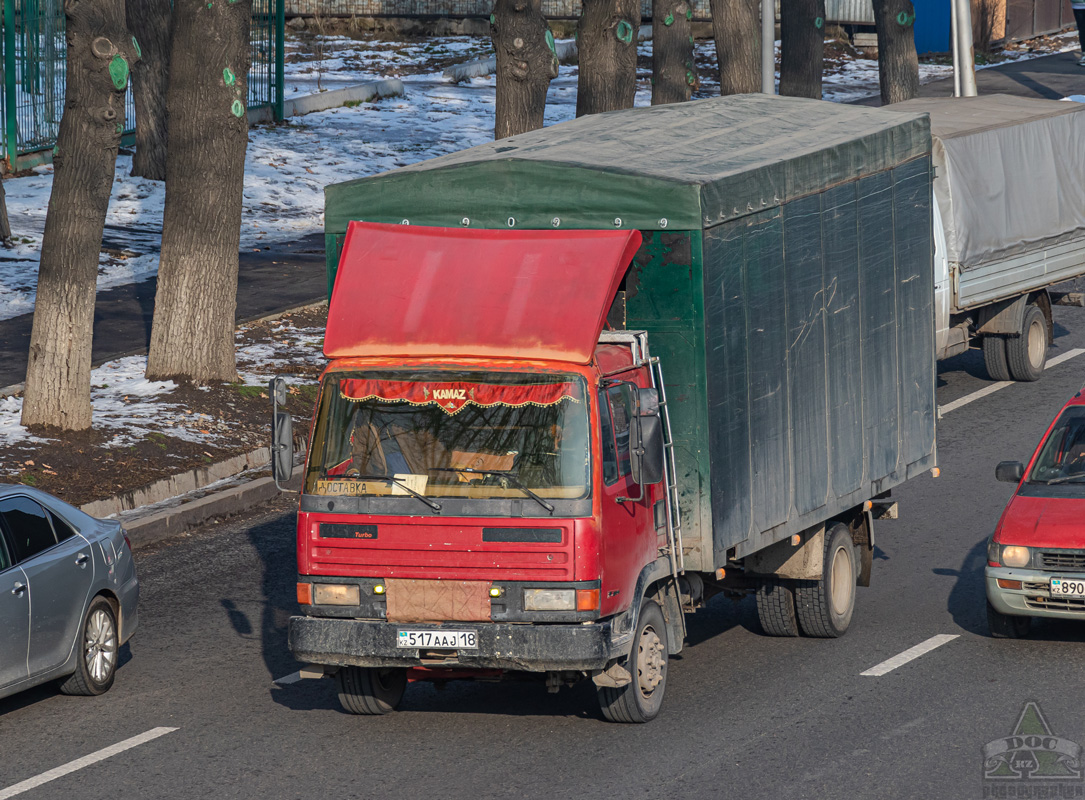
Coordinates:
[745,715]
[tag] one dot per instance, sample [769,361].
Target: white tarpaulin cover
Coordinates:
[1010,173]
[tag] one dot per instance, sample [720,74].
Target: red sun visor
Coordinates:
[452,397]
[404,290]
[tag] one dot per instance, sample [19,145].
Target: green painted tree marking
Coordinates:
[689,78]
[120,128]
[237,109]
[624,32]
[228,76]
[819,23]
[550,41]
[135,44]
[905,18]
[689,14]
[668,20]
[493,19]
[118,71]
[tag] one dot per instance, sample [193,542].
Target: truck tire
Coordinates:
[825,607]
[1003,626]
[365,690]
[641,699]
[1027,353]
[776,608]
[994,358]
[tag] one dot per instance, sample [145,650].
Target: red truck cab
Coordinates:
[484,489]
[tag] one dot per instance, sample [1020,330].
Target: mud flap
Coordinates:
[866,552]
[613,677]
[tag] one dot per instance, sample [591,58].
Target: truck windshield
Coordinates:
[1062,457]
[451,434]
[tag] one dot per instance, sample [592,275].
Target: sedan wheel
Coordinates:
[97,665]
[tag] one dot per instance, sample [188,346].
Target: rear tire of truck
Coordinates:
[640,700]
[1027,353]
[1003,626]
[776,608]
[994,358]
[825,607]
[364,690]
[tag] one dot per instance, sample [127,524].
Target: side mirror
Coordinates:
[1010,471]
[646,449]
[282,434]
[648,400]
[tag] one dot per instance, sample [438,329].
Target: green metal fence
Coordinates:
[35,56]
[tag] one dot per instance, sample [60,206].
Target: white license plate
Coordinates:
[1068,586]
[439,640]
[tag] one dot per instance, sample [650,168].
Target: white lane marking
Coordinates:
[85,761]
[285,680]
[910,654]
[994,387]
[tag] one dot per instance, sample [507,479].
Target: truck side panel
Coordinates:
[819,330]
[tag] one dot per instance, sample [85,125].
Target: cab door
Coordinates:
[60,575]
[629,536]
[14,618]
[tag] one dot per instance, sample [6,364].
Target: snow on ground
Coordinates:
[288,166]
[128,407]
[286,171]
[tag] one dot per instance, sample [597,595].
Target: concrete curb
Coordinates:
[171,522]
[307,104]
[176,485]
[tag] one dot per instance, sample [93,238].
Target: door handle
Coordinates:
[81,559]
[18,589]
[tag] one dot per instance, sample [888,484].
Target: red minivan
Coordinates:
[1036,556]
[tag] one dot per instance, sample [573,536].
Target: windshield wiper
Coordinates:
[1065,478]
[510,475]
[431,503]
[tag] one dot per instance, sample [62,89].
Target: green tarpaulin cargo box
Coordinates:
[785,280]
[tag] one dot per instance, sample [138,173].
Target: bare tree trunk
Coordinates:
[192,334]
[898,65]
[673,72]
[5,225]
[607,45]
[100,52]
[149,22]
[802,42]
[736,26]
[526,63]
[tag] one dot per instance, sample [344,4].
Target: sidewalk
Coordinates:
[1047,77]
[284,275]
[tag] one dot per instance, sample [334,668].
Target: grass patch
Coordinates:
[248,391]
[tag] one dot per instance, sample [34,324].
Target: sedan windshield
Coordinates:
[1062,457]
[445,434]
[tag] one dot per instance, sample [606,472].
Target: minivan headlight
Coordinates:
[1014,556]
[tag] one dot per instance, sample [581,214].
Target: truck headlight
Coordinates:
[549,600]
[336,594]
[1014,556]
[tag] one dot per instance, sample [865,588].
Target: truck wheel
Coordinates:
[776,608]
[1027,353]
[640,700]
[1004,626]
[364,690]
[994,358]
[825,607]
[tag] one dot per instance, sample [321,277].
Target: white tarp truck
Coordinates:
[1009,224]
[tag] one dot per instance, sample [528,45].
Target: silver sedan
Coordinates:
[68,594]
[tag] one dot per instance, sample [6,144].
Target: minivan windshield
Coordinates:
[1062,457]
[451,434]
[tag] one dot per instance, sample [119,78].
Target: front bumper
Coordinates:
[1034,598]
[531,648]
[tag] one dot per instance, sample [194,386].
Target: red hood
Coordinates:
[407,290]
[1057,522]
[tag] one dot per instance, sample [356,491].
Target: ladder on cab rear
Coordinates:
[638,344]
